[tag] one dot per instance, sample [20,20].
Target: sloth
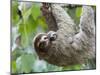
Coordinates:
[52,47]
[62,47]
[43,41]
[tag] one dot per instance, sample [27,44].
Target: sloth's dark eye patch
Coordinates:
[46,38]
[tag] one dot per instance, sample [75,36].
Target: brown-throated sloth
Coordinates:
[66,48]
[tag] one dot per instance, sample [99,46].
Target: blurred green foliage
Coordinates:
[24,58]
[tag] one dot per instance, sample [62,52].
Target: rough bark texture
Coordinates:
[70,48]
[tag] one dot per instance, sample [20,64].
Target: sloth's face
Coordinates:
[43,42]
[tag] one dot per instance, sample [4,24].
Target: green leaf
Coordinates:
[14,15]
[25,63]
[16,53]
[73,67]
[32,24]
[13,63]
[27,28]
[78,11]
[35,11]
[41,21]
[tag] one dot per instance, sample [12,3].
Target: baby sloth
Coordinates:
[43,41]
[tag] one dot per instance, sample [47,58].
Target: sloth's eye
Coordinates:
[45,37]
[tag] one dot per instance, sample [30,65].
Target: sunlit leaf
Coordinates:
[36,11]
[73,67]
[13,64]
[78,11]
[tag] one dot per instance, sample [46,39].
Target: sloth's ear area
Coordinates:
[52,35]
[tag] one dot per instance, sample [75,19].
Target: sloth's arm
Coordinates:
[57,19]
[50,19]
[85,39]
[87,22]
[64,21]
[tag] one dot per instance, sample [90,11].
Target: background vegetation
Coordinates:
[25,26]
